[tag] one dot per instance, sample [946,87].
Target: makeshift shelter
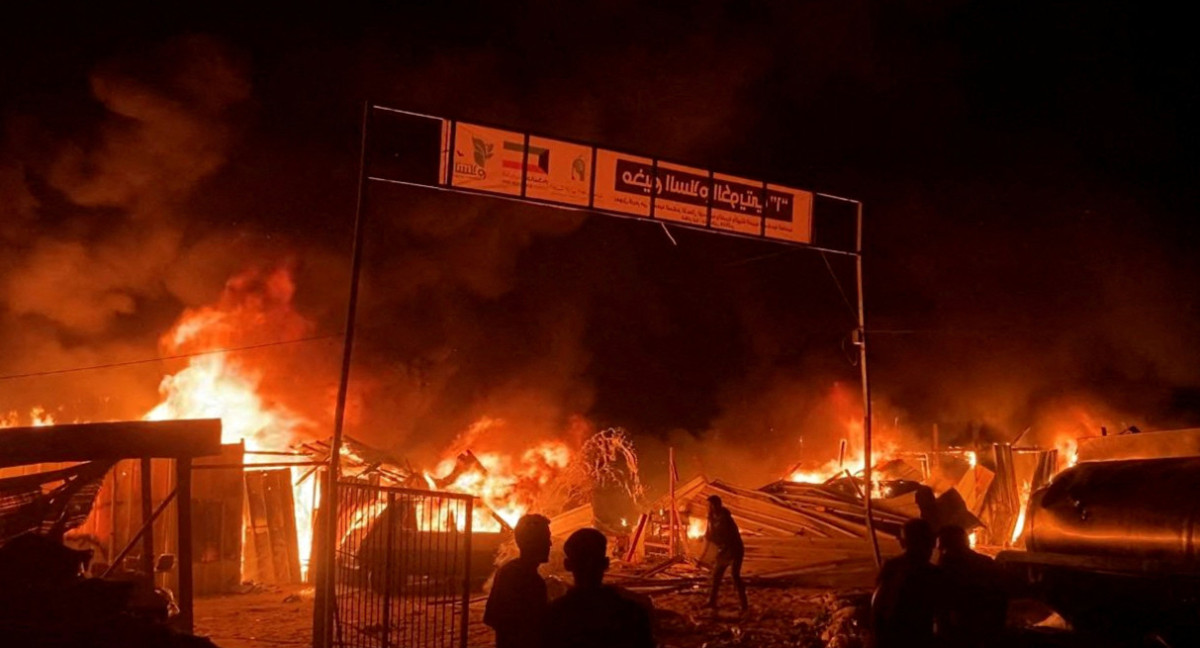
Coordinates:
[50,477]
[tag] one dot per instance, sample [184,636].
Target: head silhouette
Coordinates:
[714,503]
[533,537]
[952,540]
[587,557]
[917,539]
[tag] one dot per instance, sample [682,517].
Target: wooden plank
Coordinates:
[291,541]
[183,468]
[764,511]
[257,527]
[126,439]
[218,500]
[281,525]
[146,495]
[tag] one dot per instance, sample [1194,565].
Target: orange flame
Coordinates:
[253,307]
[38,417]
[507,485]
[882,450]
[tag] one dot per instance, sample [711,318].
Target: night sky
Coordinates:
[1029,176]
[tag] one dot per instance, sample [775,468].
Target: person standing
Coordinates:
[973,609]
[592,614]
[723,533]
[907,592]
[516,607]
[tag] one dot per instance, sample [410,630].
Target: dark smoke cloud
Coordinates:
[96,219]
[1020,273]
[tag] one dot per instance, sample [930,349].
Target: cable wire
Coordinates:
[181,356]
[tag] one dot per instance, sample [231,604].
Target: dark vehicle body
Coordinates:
[1112,547]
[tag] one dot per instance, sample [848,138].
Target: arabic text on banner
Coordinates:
[736,204]
[681,194]
[789,214]
[623,183]
[558,171]
[487,159]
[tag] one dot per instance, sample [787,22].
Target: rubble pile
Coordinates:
[779,616]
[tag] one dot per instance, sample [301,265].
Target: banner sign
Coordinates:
[682,194]
[623,183]
[562,174]
[515,164]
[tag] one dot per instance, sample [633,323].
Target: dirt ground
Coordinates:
[263,615]
[266,616]
[269,616]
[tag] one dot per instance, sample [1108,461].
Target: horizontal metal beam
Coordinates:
[586,210]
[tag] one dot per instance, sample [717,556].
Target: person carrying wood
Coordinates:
[723,534]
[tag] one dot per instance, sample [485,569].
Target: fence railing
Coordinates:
[402,568]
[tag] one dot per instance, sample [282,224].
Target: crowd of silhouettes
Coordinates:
[960,602]
[590,615]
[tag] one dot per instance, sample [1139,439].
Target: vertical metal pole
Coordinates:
[466,595]
[147,512]
[866,385]
[183,503]
[389,518]
[339,417]
[524,164]
[671,478]
[936,464]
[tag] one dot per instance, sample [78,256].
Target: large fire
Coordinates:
[507,484]
[254,306]
[881,451]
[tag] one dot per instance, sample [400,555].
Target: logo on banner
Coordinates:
[481,152]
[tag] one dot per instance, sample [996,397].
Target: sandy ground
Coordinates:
[263,616]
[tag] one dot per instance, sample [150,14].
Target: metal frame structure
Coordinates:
[325,586]
[402,568]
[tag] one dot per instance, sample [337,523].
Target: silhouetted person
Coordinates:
[516,606]
[906,596]
[973,609]
[591,614]
[927,504]
[723,534]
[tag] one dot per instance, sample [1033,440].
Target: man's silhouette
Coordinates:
[591,614]
[973,609]
[723,534]
[516,607]
[906,595]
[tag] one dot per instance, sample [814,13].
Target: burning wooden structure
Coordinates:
[69,464]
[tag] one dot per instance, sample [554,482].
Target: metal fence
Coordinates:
[402,568]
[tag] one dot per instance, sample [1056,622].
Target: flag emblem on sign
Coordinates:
[535,159]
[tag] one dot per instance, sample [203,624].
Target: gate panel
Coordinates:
[401,568]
